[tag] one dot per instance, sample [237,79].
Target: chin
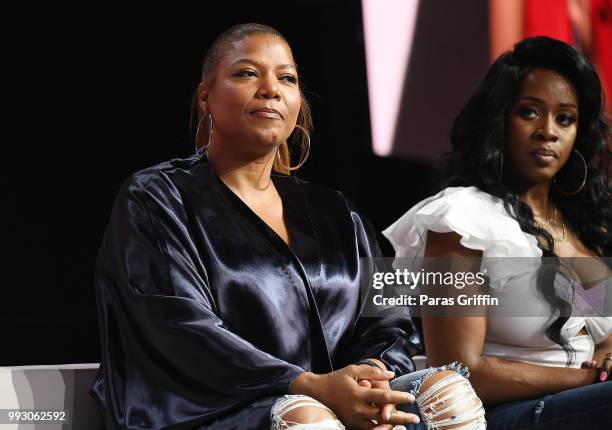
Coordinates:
[268,138]
[262,147]
[539,177]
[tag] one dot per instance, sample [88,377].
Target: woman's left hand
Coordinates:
[605,371]
[386,410]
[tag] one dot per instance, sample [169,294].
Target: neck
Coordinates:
[537,196]
[246,175]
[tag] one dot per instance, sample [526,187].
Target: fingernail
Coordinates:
[387,416]
[603,376]
[399,428]
[388,373]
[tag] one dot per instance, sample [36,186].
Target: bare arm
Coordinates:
[462,339]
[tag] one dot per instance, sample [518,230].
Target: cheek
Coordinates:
[294,102]
[571,136]
[228,100]
[519,128]
[569,139]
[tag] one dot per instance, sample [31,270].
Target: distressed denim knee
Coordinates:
[445,398]
[289,403]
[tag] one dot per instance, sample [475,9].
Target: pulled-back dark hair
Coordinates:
[478,136]
[215,54]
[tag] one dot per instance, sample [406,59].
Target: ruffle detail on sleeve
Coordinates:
[599,328]
[479,218]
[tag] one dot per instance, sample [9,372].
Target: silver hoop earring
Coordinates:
[305,152]
[572,193]
[204,149]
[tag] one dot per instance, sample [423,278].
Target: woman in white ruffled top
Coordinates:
[528,177]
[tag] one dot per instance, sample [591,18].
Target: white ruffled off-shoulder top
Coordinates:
[484,224]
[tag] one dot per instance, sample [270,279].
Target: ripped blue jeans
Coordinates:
[584,408]
[434,404]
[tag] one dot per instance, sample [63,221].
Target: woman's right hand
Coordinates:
[356,406]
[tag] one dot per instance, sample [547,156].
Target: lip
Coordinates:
[544,156]
[266,113]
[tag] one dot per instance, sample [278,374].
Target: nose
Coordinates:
[547,130]
[269,88]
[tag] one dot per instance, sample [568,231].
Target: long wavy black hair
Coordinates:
[478,136]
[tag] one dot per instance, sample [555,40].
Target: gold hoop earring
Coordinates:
[305,152]
[204,149]
[572,193]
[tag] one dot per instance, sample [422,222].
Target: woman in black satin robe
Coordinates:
[224,284]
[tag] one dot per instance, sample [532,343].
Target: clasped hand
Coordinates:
[604,371]
[359,395]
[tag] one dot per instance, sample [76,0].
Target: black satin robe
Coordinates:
[204,309]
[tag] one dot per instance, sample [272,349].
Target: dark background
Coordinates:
[94,93]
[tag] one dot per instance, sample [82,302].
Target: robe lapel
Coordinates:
[303,257]
[298,218]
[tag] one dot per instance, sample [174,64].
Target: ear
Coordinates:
[202,98]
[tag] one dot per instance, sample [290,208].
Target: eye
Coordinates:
[566,119]
[245,73]
[289,78]
[527,112]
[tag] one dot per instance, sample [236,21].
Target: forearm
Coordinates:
[496,380]
[462,338]
[305,383]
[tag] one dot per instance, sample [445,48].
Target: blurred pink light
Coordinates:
[388,31]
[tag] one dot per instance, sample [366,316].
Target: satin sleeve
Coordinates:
[390,336]
[167,356]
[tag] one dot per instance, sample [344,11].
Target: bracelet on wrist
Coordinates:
[370,363]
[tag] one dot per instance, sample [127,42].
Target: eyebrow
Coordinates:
[255,63]
[540,101]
